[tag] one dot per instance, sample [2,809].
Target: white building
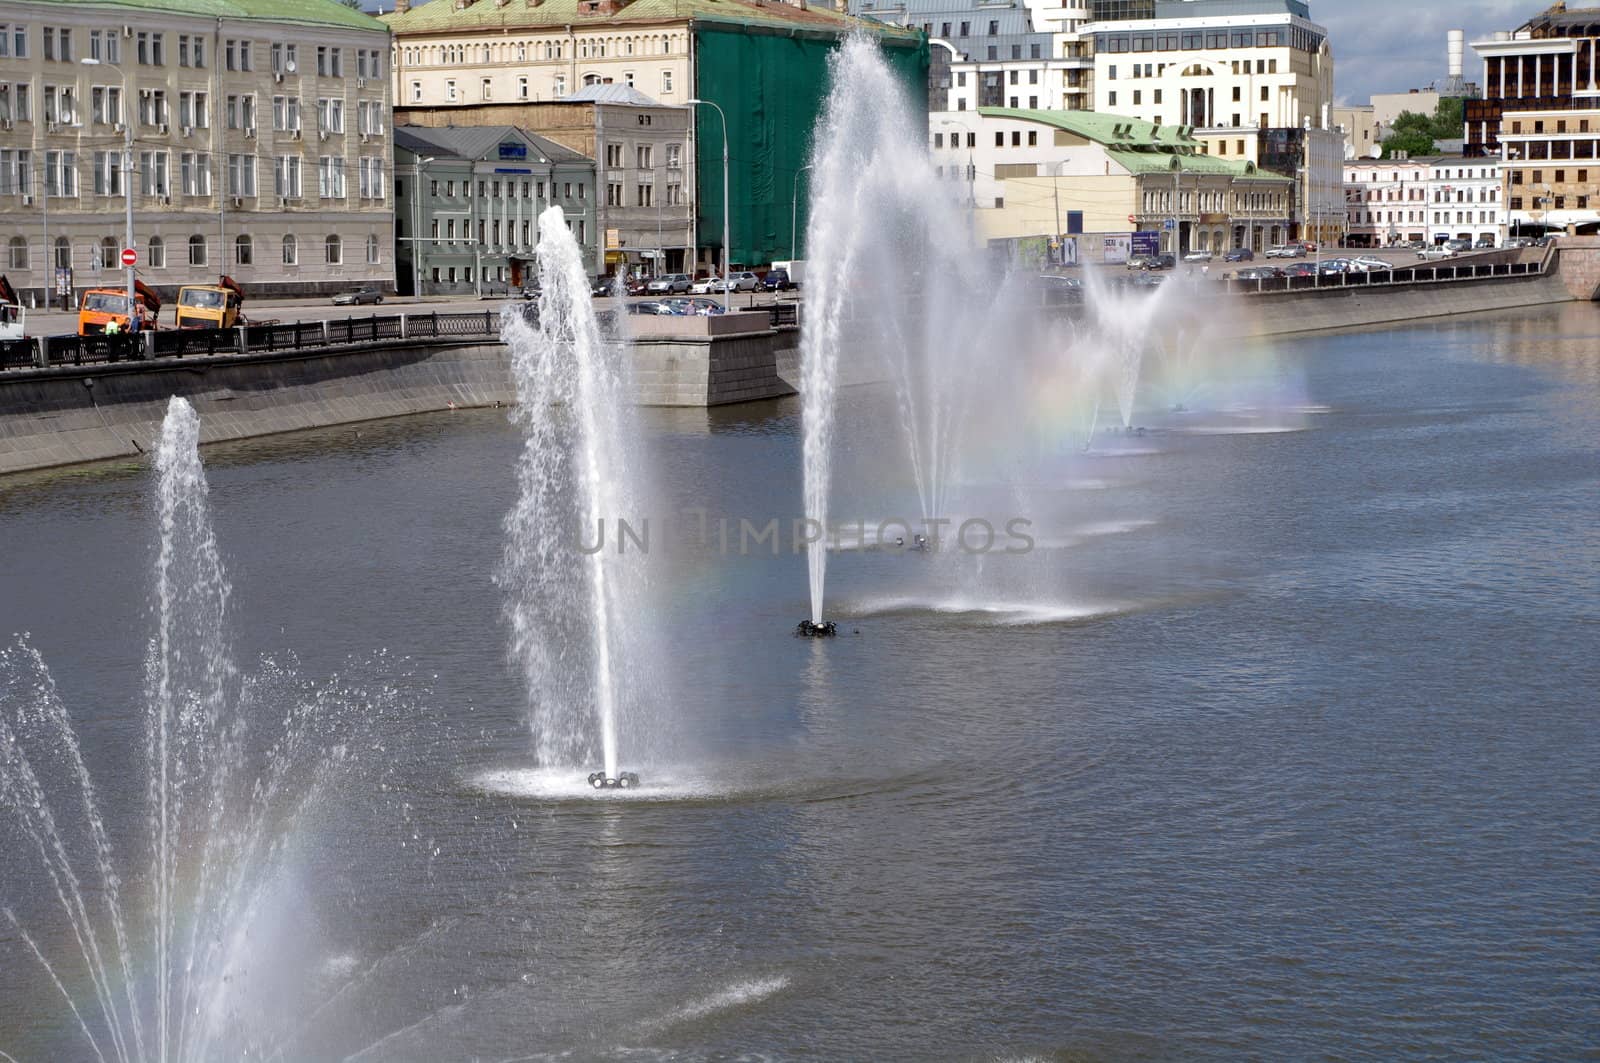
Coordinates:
[1387,201]
[1464,200]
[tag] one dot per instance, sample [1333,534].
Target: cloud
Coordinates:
[1396,45]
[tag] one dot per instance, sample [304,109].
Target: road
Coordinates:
[62,322]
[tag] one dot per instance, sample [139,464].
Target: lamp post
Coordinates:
[127,181]
[794,214]
[416,224]
[725,224]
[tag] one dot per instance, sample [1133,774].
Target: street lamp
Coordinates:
[127,180]
[725,223]
[794,214]
[416,224]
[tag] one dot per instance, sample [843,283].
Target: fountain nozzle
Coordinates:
[807,630]
[626,780]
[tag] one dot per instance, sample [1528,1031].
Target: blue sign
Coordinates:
[512,149]
[512,169]
[1146,243]
[1169,224]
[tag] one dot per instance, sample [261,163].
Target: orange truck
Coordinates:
[102,306]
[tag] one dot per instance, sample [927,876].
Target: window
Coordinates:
[13,41]
[153,174]
[994,27]
[157,253]
[646,157]
[286,177]
[1112,98]
[291,250]
[332,250]
[330,177]
[1033,138]
[19,252]
[450,91]
[195,173]
[107,258]
[370,178]
[666,81]
[522,87]
[372,250]
[60,174]
[241,175]
[486,87]
[416,92]
[243,251]
[674,156]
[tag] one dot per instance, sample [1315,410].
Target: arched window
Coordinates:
[19,252]
[197,250]
[372,249]
[158,253]
[63,253]
[291,250]
[108,254]
[591,79]
[243,251]
[332,250]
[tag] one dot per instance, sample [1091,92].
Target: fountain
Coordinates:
[177,982]
[573,608]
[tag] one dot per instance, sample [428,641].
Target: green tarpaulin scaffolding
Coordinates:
[771,84]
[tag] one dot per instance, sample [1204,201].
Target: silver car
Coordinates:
[671,284]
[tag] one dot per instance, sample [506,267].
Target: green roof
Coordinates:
[1139,146]
[441,16]
[307,12]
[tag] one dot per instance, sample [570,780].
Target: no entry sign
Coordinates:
[130,257]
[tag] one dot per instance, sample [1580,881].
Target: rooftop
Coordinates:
[478,142]
[298,12]
[442,16]
[1139,146]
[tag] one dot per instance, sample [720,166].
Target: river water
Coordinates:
[1284,747]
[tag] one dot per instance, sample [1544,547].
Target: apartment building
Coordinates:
[1387,201]
[1465,201]
[761,63]
[1540,115]
[252,135]
[640,157]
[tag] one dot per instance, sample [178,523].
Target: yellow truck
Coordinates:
[210,305]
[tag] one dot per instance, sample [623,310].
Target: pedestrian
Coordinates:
[112,328]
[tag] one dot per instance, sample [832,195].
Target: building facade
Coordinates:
[248,149]
[762,62]
[642,162]
[468,202]
[1064,173]
[1363,137]
[1540,115]
[1387,201]
[1465,201]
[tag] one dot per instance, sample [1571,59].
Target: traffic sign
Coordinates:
[130,257]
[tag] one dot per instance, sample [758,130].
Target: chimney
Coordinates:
[1455,45]
[402,6]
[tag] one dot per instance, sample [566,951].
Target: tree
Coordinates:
[1416,133]
[352,4]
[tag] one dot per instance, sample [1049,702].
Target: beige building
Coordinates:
[259,139]
[1362,135]
[1037,173]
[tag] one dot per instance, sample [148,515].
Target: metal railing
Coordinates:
[42,351]
[1400,276]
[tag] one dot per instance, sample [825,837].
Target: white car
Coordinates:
[1286,251]
[1197,256]
[706,286]
[1441,251]
[1363,264]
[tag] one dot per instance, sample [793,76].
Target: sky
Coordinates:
[1396,45]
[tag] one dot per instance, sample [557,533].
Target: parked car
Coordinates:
[671,284]
[1147,279]
[1545,241]
[1144,261]
[702,307]
[706,285]
[1459,245]
[357,296]
[1056,282]
[777,280]
[1286,251]
[604,285]
[1240,254]
[1197,256]
[1437,252]
[1301,269]
[1259,273]
[1363,264]
[743,281]
[1485,242]
[648,306]
[1517,241]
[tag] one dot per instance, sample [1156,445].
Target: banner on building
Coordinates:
[1147,243]
[1116,248]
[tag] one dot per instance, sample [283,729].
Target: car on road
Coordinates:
[777,280]
[1485,242]
[1438,252]
[1459,245]
[706,285]
[670,284]
[1300,269]
[1259,273]
[1286,251]
[743,281]
[1197,256]
[649,306]
[1332,267]
[1517,241]
[1240,254]
[1147,279]
[1144,261]
[357,296]
[604,285]
[1364,264]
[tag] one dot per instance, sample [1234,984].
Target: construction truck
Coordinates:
[217,305]
[104,306]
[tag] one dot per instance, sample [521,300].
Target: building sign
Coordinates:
[513,149]
[613,239]
[1147,243]
[63,281]
[1117,247]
